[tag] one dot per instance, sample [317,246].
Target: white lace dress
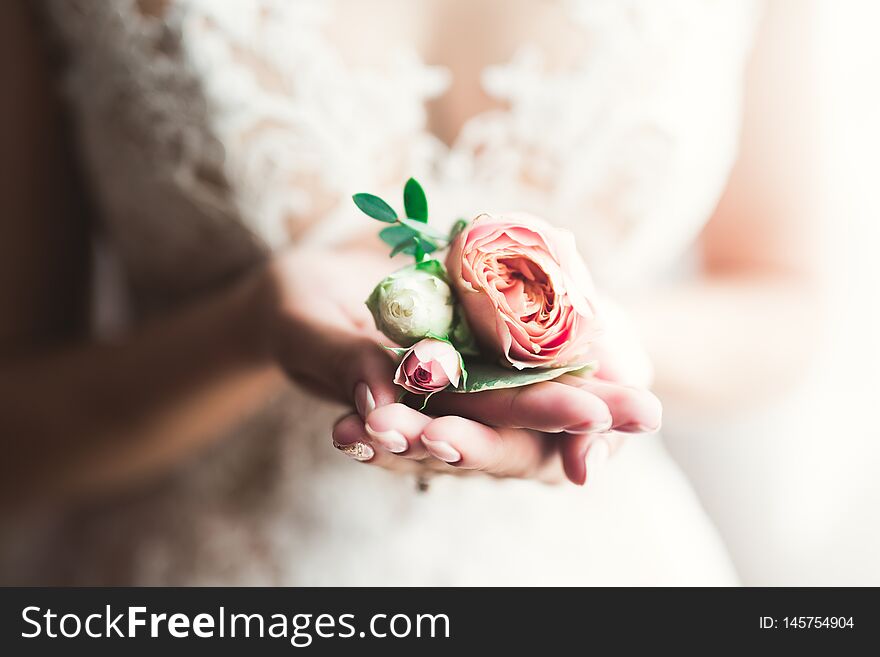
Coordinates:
[217,131]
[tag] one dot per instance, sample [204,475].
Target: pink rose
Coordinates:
[428,367]
[524,289]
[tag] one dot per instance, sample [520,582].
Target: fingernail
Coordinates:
[363,400]
[358,451]
[596,456]
[392,440]
[442,450]
[590,427]
[635,427]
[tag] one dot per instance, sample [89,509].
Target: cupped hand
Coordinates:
[548,431]
[324,338]
[551,431]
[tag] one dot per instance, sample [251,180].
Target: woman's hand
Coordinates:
[320,330]
[548,431]
[324,338]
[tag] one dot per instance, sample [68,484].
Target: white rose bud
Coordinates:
[410,304]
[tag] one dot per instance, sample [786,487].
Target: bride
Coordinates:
[191,390]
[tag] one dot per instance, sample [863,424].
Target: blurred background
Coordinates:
[816,520]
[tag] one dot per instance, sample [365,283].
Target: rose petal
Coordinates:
[524,289]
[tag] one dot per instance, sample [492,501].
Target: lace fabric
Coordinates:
[246,117]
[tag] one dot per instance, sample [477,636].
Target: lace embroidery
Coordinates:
[247,116]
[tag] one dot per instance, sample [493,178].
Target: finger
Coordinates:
[359,370]
[350,438]
[470,445]
[619,352]
[368,372]
[549,406]
[633,410]
[583,456]
[398,428]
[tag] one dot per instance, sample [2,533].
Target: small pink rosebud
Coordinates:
[429,366]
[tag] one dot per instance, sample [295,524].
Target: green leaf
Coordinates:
[397,351]
[394,235]
[414,201]
[457,227]
[436,336]
[427,246]
[419,251]
[424,230]
[462,336]
[463,383]
[403,246]
[435,268]
[488,376]
[374,207]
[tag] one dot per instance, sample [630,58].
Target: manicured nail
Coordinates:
[442,450]
[363,400]
[358,451]
[635,427]
[590,427]
[596,456]
[392,440]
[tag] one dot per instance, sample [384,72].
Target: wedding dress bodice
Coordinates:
[216,131]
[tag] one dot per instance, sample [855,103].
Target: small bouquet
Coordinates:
[512,306]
